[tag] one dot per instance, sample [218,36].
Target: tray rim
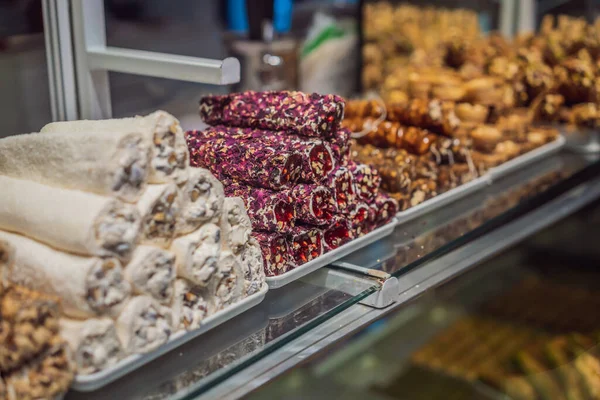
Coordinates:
[91,382]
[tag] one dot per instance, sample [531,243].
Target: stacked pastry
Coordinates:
[285,157]
[108,217]
[34,360]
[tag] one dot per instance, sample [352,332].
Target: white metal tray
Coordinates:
[276,282]
[87,383]
[527,158]
[443,199]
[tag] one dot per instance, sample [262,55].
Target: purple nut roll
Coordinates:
[338,233]
[317,156]
[366,180]
[268,210]
[270,167]
[385,208]
[311,115]
[340,145]
[305,244]
[341,183]
[361,218]
[275,252]
[314,204]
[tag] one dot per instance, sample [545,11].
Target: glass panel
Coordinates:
[523,324]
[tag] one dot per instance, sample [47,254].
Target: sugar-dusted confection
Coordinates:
[338,233]
[228,287]
[159,208]
[197,254]
[305,244]
[191,305]
[275,251]
[143,325]
[268,210]
[272,167]
[296,112]
[235,224]
[314,204]
[253,266]
[317,156]
[341,183]
[151,271]
[28,324]
[366,180]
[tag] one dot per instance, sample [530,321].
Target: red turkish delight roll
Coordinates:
[268,210]
[366,180]
[275,252]
[305,244]
[314,203]
[361,218]
[312,115]
[385,208]
[340,145]
[341,184]
[338,233]
[271,167]
[317,156]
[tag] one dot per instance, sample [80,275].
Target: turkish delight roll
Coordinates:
[366,180]
[314,203]
[169,157]
[159,208]
[29,322]
[338,233]
[340,145]
[235,224]
[296,112]
[228,287]
[305,244]
[191,305]
[361,218]
[268,210]
[364,108]
[197,254]
[71,220]
[275,252]
[47,377]
[93,342]
[272,167]
[252,264]
[86,286]
[143,325]
[435,115]
[341,183]
[151,271]
[110,164]
[201,200]
[385,208]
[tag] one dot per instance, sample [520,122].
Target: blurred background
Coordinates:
[309,45]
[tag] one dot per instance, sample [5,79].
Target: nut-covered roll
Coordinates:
[86,286]
[7,258]
[252,264]
[70,220]
[109,164]
[197,254]
[29,323]
[485,138]
[228,287]
[159,208]
[143,325]
[191,305]
[151,271]
[235,224]
[93,343]
[201,201]
[169,155]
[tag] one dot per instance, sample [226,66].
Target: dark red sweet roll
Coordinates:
[275,252]
[340,145]
[361,218]
[366,180]
[338,233]
[270,167]
[341,183]
[314,204]
[268,210]
[385,208]
[304,114]
[305,244]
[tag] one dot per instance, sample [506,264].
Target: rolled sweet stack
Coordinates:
[285,156]
[108,217]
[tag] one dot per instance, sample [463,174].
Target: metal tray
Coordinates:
[86,383]
[527,158]
[276,282]
[443,199]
